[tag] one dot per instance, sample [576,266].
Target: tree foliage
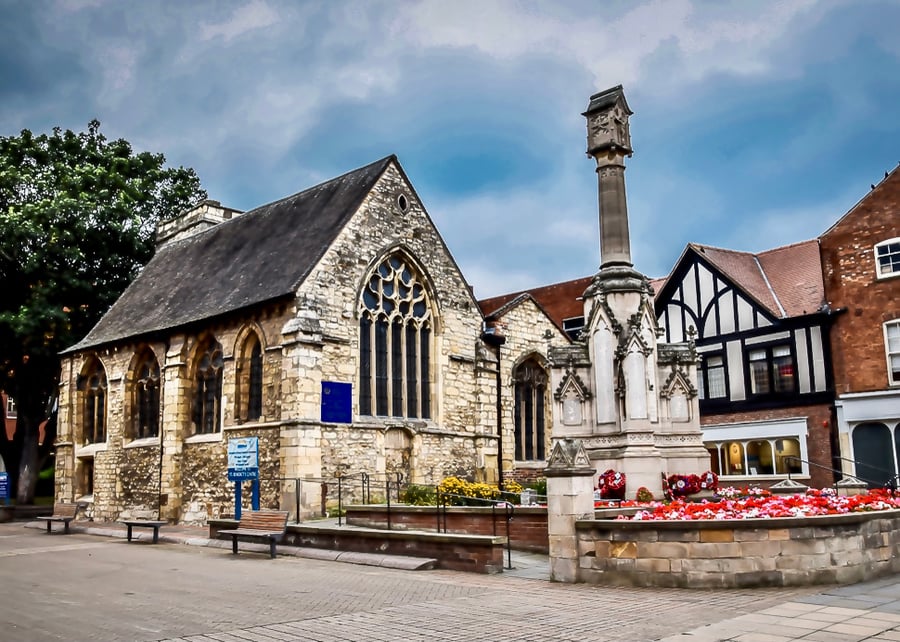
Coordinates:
[77,219]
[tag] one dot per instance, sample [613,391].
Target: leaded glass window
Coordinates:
[146,398]
[254,381]
[207,400]
[530,392]
[395,343]
[93,389]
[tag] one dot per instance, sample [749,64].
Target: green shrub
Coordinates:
[417,495]
[539,486]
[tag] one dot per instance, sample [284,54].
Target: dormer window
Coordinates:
[887,258]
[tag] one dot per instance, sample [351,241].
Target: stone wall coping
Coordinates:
[736,524]
[380,533]
[203,438]
[258,425]
[146,442]
[90,449]
[478,510]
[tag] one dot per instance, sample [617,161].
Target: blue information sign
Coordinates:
[243,458]
[4,485]
[337,402]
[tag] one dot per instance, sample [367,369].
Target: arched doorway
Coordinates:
[874,452]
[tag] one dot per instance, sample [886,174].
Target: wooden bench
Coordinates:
[259,524]
[62,512]
[144,523]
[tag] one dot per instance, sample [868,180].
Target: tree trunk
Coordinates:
[28,464]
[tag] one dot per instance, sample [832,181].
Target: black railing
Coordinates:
[443,500]
[890,483]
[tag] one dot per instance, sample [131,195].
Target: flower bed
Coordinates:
[766,506]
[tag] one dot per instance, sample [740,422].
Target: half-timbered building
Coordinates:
[761,326]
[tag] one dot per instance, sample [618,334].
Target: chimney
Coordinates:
[198,218]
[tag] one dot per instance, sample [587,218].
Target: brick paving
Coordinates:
[84,587]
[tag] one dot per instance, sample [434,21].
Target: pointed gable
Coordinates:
[259,256]
[559,301]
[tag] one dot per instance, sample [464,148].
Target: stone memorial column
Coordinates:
[570,497]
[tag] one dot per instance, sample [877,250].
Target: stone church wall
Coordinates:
[529,334]
[312,339]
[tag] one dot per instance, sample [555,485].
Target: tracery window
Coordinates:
[530,391]
[395,330]
[145,415]
[207,401]
[92,386]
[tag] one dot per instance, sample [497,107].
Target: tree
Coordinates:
[77,221]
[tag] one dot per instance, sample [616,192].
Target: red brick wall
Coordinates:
[851,282]
[527,529]
[818,435]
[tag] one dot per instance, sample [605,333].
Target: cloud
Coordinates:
[613,46]
[249,17]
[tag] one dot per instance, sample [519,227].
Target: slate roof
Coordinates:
[261,255]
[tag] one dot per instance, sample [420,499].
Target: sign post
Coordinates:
[243,464]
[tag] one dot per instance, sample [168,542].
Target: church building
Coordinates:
[334,326]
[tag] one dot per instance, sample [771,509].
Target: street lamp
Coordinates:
[493,336]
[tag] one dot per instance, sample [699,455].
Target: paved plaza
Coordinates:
[90,587]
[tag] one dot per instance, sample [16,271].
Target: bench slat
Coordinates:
[269,524]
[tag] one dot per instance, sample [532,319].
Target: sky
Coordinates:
[756,123]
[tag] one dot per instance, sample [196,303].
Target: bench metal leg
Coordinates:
[129,532]
[156,534]
[234,544]
[67,527]
[272,548]
[48,525]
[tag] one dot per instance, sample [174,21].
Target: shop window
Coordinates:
[757,457]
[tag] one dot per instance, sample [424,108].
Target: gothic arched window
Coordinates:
[530,381]
[207,401]
[92,386]
[395,343]
[250,379]
[145,412]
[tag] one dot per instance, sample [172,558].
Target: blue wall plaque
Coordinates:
[337,402]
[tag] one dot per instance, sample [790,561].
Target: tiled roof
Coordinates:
[559,300]
[786,281]
[259,256]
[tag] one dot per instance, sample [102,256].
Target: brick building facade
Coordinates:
[861,264]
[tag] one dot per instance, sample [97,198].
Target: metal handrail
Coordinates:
[872,482]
